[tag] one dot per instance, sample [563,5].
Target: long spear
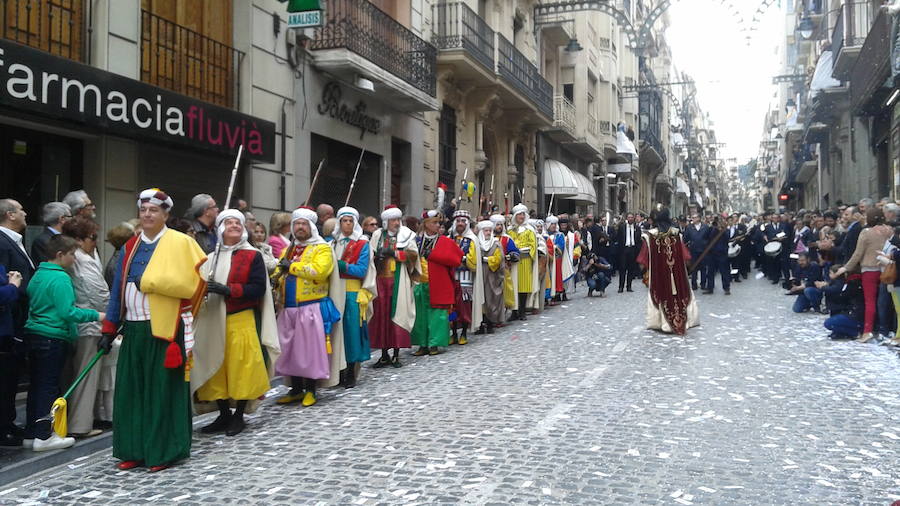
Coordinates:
[353,183]
[550,207]
[314,181]
[237,163]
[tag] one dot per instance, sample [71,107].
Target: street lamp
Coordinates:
[573,46]
[806,26]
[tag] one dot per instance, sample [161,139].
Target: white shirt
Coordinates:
[17,238]
[629,236]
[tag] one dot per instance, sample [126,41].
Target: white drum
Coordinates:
[734,250]
[773,249]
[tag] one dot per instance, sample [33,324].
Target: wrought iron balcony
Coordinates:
[563,114]
[593,126]
[459,27]
[360,27]
[184,61]
[850,30]
[516,70]
[872,69]
[54,26]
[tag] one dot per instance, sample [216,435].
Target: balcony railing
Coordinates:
[54,26]
[360,27]
[852,25]
[593,126]
[522,75]
[187,62]
[607,128]
[563,113]
[459,27]
[872,68]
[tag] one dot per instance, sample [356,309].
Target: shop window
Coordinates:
[334,181]
[447,150]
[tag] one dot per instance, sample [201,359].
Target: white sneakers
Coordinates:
[54,442]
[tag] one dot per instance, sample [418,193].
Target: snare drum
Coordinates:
[773,249]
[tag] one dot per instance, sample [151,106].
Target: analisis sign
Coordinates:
[38,82]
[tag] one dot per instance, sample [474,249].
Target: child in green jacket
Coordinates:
[49,331]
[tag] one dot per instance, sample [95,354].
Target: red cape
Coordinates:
[665,257]
[445,257]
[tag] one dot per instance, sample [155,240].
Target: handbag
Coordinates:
[889,274]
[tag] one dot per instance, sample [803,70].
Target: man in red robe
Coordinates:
[434,295]
[671,306]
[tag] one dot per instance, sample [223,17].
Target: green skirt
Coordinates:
[152,409]
[432,327]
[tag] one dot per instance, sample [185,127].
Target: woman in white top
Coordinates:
[91,292]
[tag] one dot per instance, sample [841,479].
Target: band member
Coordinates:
[357,273]
[629,243]
[695,237]
[671,306]
[232,360]
[312,344]
[396,262]
[493,267]
[439,257]
[156,291]
[526,240]
[467,286]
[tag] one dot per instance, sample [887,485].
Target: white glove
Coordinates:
[890,288]
[883,260]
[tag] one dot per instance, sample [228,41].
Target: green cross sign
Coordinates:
[303,5]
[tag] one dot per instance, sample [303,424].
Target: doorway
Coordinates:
[337,173]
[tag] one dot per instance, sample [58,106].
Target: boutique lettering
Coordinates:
[332,106]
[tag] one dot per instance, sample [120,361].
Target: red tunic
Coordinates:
[666,258]
[443,260]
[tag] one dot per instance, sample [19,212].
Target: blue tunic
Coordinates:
[356,334]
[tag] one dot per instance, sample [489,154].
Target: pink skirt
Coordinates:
[383,332]
[301,333]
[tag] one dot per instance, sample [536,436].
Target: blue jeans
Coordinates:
[809,298]
[885,317]
[47,357]
[843,325]
[598,281]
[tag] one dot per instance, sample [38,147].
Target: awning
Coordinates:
[565,183]
[681,186]
[822,76]
[662,179]
[558,179]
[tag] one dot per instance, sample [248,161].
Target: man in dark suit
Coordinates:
[774,231]
[54,214]
[629,239]
[846,245]
[14,258]
[717,261]
[695,238]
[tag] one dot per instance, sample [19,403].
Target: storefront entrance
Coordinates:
[37,168]
[334,181]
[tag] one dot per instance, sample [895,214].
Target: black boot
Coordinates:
[221,422]
[350,376]
[523,300]
[384,361]
[490,327]
[395,362]
[236,426]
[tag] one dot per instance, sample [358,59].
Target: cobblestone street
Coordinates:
[578,405]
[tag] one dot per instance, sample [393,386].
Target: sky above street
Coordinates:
[734,78]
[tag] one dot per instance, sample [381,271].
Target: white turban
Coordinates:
[552,220]
[390,213]
[497,219]
[520,208]
[156,197]
[220,226]
[308,214]
[485,225]
[357,228]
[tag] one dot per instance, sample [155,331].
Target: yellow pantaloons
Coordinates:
[243,374]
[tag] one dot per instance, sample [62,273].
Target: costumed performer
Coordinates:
[236,337]
[155,294]
[671,306]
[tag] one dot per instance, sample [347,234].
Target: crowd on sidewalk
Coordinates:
[197,314]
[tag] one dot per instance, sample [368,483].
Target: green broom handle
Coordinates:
[84,373]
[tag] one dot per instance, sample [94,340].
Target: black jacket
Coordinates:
[621,233]
[844,250]
[39,246]
[14,259]
[696,240]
